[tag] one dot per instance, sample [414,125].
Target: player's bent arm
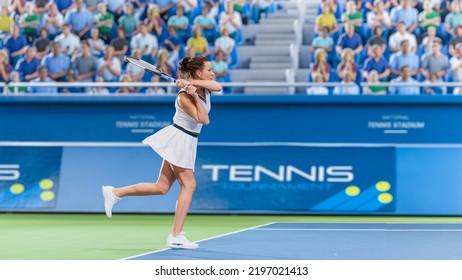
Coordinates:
[210,85]
[191,104]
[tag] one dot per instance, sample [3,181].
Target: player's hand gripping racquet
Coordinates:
[148,67]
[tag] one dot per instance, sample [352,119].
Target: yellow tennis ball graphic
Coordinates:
[46,184]
[352,190]
[17,188]
[383,186]
[385,198]
[47,196]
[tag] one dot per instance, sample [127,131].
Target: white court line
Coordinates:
[358,229]
[239,144]
[206,239]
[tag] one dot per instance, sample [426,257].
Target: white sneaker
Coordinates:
[109,199]
[180,242]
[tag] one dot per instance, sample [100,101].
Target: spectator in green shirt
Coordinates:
[29,21]
[352,15]
[104,22]
[429,17]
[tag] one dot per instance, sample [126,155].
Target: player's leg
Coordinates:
[162,186]
[188,185]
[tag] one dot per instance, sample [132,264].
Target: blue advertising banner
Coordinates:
[29,177]
[304,119]
[295,178]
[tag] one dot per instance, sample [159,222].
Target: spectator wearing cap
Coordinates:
[395,39]
[57,64]
[397,87]
[53,21]
[350,40]
[16,45]
[80,20]
[404,58]
[68,42]
[435,63]
[407,14]
[27,67]
[378,63]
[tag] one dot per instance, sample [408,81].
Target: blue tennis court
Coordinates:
[328,241]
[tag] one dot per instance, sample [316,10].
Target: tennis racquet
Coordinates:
[148,67]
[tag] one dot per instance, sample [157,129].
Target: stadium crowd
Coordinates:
[414,42]
[86,40]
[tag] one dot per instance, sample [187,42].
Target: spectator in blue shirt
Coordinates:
[378,63]
[181,23]
[349,40]
[116,7]
[57,64]
[16,45]
[173,45]
[80,21]
[404,78]
[65,5]
[406,13]
[405,58]
[43,78]
[28,66]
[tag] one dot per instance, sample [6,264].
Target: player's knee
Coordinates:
[190,187]
[162,188]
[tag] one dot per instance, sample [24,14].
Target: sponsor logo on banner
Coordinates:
[29,177]
[293,178]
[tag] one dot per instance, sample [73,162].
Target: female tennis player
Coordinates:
[177,145]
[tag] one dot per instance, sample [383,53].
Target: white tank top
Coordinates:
[186,121]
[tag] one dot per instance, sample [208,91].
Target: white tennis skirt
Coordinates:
[175,146]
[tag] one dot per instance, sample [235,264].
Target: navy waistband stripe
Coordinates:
[193,134]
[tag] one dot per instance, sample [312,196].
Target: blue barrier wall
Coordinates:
[378,155]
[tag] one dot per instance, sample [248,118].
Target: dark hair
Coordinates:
[188,66]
